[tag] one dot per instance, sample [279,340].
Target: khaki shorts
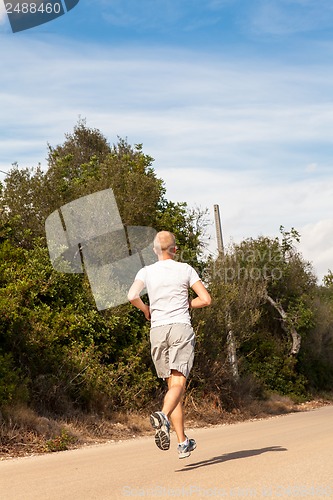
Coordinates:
[172,348]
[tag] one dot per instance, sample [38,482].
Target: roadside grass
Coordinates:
[24,433]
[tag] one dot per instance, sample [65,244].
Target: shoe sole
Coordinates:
[162,437]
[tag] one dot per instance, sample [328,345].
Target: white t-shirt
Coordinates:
[167,283]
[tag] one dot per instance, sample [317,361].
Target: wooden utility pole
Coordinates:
[218,226]
[231,344]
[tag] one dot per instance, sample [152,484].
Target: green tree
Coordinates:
[70,354]
[23,205]
[262,310]
[316,357]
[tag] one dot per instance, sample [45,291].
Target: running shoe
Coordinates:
[184,450]
[161,424]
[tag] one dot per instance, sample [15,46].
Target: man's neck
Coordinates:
[165,256]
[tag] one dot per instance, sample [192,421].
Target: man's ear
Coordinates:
[172,250]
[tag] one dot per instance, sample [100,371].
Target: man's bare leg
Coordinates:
[173,409]
[177,419]
[173,406]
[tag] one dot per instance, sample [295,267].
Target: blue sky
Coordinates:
[233,99]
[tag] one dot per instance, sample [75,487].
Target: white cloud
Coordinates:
[284,17]
[251,205]
[187,108]
[311,167]
[162,15]
[242,134]
[317,245]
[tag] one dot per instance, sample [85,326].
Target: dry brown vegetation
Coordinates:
[24,433]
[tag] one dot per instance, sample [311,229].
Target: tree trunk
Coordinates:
[288,328]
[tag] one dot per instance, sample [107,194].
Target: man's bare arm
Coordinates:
[203,298]
[134,298]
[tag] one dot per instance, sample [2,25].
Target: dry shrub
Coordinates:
[23,431]
[27,420]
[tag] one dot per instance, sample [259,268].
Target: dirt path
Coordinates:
[283,457]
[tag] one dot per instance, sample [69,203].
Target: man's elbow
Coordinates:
[208,301]
[134,292]
[132,296]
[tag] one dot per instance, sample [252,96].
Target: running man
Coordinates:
[171,336]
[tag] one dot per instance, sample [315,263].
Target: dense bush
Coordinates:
[270,326]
